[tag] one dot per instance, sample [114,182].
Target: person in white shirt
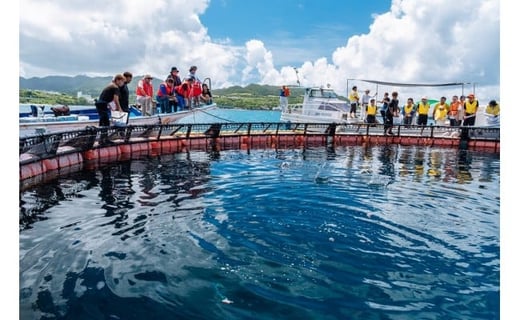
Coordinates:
[365,100]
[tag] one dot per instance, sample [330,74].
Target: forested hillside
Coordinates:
[63,90]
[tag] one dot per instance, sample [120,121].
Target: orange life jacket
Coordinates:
[183,89]
[169,90]
[196,89]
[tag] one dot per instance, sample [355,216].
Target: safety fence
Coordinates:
[54,152]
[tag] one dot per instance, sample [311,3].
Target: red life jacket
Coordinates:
[169,90]
[183,89]
[196,89]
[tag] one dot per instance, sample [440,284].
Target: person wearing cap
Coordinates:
[144,94]
[470,110]
[353,97]
[174,74]
[191,73]
[423,107]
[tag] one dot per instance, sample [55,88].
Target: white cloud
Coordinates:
[415,41]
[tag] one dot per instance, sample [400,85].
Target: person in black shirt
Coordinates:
[392,110]
[109,98]
[124,99]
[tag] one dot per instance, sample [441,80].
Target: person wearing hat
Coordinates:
[144,94]
[493,108]
[470,110]
[174,74]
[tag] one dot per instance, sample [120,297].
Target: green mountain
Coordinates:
[64,90]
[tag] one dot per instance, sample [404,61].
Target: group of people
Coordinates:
[461,111]
[173,94]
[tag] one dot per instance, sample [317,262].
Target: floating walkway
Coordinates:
[47,156]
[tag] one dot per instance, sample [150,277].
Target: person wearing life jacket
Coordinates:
[493,108]
[284,96]
[195,92]
[183,93]
[371,111]
[470,110]
[440,112]
[408,112]
[144,94]
[353,97]
[423,107]
[166,96]
[453,113]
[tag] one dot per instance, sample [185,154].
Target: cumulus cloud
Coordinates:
[415,41]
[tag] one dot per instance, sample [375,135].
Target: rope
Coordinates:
[226,120]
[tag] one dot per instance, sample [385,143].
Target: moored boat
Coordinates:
[43,123]
[320,105]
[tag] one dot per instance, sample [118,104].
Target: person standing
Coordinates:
[371,111]
[408,111]
[470,110]
[109,98]
[440,112]
[125,94]
[385,102]
[423,107]
[392,110]
[453,114]
[144,93]
[284,94]
[354,101]
[365,99]
[174,74]
[462,101]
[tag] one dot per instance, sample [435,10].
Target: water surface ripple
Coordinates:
[383,232]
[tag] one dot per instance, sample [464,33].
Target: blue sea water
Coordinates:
[232,115]
[358,232]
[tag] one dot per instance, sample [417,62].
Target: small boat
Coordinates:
[320,105]
[49,123]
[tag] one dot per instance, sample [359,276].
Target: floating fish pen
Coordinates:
[46,156]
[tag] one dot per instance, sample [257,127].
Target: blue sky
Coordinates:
[240,42]
[291,25]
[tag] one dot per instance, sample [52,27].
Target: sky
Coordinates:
[237,42]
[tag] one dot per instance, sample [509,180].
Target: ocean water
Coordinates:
[358,232]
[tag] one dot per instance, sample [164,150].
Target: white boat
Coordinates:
[320,105]
[49,123]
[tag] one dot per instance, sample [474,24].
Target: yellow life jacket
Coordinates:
[423,108]
[441,112]
[353,97]
[471,107]
[408,108]
[493,110]
[371,110]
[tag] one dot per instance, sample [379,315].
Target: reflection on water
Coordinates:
[385,232]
